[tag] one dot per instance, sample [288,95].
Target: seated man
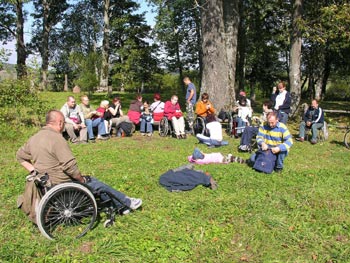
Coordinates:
[274,136]
[313,120]
[93,119]
[74,121]
[48,152]
[251,131]
[204,106]
[215,131]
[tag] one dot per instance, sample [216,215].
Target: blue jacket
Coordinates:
[314,115]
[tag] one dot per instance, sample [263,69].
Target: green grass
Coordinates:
[301,215]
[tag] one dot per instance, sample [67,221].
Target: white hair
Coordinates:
[104,103]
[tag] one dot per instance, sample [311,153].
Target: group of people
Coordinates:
[47,152]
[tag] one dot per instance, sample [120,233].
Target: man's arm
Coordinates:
[190,96]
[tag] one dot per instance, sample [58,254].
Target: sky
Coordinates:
[11,46]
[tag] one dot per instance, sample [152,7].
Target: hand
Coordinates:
[308,123]
[264,146]
[82,125]
[75,126]
[275,150]
[208,106]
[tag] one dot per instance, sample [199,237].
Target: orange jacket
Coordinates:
[201,108]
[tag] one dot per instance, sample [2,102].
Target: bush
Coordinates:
[339,90]
[19,106]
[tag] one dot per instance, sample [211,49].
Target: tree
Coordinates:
[48,15]
[11,26]
[219,42]
[105,46]
[295,56]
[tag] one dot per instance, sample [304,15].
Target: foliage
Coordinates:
[339,89]
[20,107]
[301,215]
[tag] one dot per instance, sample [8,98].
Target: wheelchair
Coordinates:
[71,209]
[165,127]
[199,126]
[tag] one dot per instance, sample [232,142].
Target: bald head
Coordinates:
[55,120]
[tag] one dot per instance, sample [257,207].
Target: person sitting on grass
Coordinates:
[313,120]
[214,128]
[48,152]
[93,119]
[116,112]
[146,120]
[174,114]
[274,136]
[204,107]
[251,131]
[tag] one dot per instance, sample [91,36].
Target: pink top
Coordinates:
[171,110]
[208,158]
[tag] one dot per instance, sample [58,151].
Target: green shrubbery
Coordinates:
[20,107]
[339,89]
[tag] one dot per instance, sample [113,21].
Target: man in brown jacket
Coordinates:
[48,152]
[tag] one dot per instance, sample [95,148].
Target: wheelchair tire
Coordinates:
[347,139]
[199,126]
[66,210]
[163,127]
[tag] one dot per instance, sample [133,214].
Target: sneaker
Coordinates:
[149,134]
[183,136]
[135,203]
[143,134]
[244,148]
[126,211]
[92,140]
[100,137]
[299,139]
[313,142]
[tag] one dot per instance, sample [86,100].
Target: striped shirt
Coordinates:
[277,136]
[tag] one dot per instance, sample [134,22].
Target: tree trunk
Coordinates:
[45,44]
[241,51]
[219,45]
[295,56]
[105,48]
[20,46]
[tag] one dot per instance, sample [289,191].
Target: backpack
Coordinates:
[265,161]
[126,127]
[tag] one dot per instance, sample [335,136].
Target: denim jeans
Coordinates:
[206,140]
[120,199]
[283,117]
[99,123]
[314,130]
[248,134]
[240,125]
[146,126]
[279,160]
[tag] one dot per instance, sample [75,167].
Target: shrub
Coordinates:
[338,90]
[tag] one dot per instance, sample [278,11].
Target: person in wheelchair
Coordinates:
[47,152]
[251,131]
[204,107]
[313,120]
[244,114]
[174,114]
[215,130]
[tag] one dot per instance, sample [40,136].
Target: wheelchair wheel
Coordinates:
[163,127]
[199,126]
[347,139]
[68,209]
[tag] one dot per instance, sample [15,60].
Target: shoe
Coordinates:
[125,212]
[178,137]
[100,137]
[135,203]
[213,184]
[143,134]
[299,139]
[313,142]
[183,136]
[243,148]
[149,134]
[92,140]
[278,170]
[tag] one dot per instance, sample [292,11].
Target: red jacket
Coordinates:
[171,110]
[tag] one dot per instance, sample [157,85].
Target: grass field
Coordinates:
[301,215]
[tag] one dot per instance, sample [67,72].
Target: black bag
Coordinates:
[126,127]
[265,161]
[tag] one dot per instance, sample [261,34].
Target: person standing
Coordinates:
[191,98]
[74,121]
[282,101]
